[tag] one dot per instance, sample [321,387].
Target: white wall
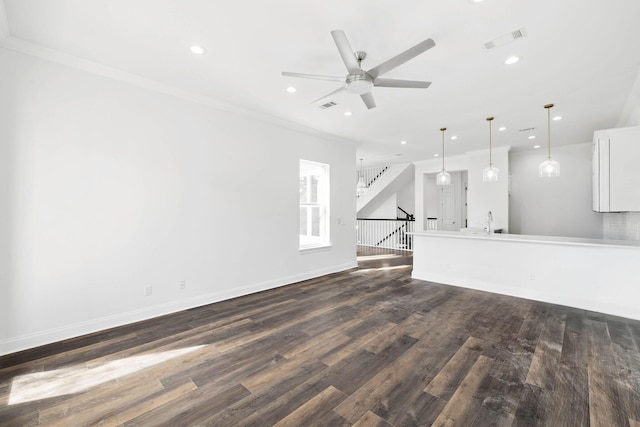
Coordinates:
[407,197]
[106,188]
[559,206]
[381,208]
[430,196]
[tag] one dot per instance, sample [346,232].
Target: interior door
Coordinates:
[447,212]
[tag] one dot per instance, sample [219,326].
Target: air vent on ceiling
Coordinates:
[505,39]
[525,129]
[328,105]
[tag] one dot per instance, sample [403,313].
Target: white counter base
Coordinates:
[602,276]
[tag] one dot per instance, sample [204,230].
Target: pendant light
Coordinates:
[490,173]
[443,178]
[549,168]
[361,188]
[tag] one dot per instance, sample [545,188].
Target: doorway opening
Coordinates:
[445,206]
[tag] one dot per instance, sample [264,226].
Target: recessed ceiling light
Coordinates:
[454,137]
[532,137]
[403,142]
[502,128]
[556,118]
[512,60]
[536,146]
[347,113]
[291,89]
[436,155]
[198,50]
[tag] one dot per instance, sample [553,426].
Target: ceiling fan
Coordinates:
[359,81]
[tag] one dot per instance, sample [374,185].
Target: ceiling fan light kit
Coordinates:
[361,82]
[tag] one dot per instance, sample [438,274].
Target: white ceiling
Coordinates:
[581,55]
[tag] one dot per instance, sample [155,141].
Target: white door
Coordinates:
[447,212]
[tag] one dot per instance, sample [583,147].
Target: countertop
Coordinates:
[572,241]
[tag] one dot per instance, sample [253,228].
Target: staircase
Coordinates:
[385,183]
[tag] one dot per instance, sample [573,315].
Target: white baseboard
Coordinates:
[19,343]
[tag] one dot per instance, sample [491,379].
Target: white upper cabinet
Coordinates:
[616,170]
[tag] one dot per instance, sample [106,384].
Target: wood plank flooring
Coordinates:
[366,347]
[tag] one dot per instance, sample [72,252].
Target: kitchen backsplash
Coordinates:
[621,226]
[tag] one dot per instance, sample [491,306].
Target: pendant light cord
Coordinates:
[548,107]
[442,130]
[490,119]
[490,157]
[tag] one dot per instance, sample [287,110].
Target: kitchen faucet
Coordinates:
[489,220]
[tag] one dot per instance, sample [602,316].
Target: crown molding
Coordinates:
[52,55]
[4,22]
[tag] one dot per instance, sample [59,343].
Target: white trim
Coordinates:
[5,31]
[24,342]
[38,51]
[314,248]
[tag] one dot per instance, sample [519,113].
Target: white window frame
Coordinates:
[308,169]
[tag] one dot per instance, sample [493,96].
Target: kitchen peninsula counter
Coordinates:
[591,274]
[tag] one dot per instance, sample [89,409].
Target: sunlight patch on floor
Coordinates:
[43,385]
[394,267]
[376,257]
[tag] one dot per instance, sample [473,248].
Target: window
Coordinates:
[314,204]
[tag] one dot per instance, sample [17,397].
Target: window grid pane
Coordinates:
[314,204]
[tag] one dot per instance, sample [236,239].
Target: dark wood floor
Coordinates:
[367,347]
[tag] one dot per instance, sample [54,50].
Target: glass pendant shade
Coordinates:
[549,168]
[443,178]
[361,187]
[490,174]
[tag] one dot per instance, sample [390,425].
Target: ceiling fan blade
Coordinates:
[368,100]
[348,57]
[340,89]
[314,76]
[401,83]
[401,58]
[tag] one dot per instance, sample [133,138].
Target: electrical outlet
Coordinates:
[183,284]
[148,290]
[532,276]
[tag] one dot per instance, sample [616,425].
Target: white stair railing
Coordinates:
[386,233]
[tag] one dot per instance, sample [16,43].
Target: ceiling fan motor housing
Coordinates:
[359,83]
